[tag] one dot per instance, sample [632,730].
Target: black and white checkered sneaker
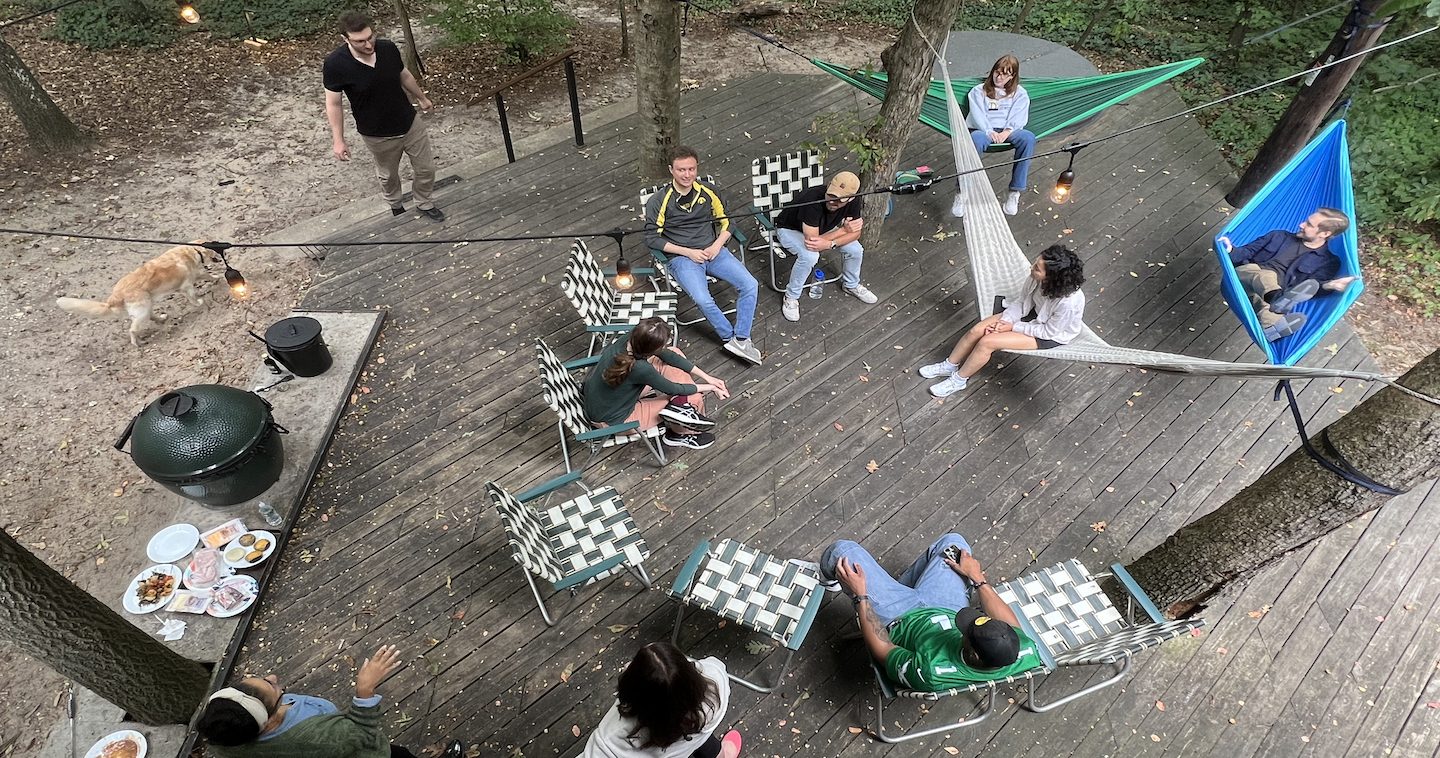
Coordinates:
[685,415]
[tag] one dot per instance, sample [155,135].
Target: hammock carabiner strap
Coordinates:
[1343,469]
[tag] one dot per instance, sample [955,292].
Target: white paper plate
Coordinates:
[259,534]
[98,749]
[132,604]
[249,585]
[172,543]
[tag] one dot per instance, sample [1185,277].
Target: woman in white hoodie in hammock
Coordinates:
[1048,313]
[999,109]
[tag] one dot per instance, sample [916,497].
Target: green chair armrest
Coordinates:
[610,328]
[591,572]
[550,486]
[1044,650]
[887,689]
[607,431]
[812,607]
[687,572]
[1136,592]
[581,363]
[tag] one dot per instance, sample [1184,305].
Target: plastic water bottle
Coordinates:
[815,289]
[271,516]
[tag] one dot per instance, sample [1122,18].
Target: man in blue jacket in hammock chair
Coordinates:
[1283,269]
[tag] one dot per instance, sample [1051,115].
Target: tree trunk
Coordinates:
[1357,32]
[1391,437]
[1024,14]
[411,51]
[908,63]
[50,619]
[657,84]
[1239,30]
[624,29]
[48,126]
[1103,12]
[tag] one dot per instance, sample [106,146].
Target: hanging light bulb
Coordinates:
[623,278]
[188,14]
[238,287]
[1064,187]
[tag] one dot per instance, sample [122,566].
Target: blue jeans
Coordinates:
[805,260]
[928,583]
[1024,143]
[727,268]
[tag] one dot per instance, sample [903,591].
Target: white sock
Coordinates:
[949,367]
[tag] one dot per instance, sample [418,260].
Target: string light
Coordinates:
[624,279]
[188,14]
[1065,182]
[236,281]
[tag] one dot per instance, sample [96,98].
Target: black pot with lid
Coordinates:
[213,444]
[296,343]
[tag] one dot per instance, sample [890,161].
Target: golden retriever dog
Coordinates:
[175,270]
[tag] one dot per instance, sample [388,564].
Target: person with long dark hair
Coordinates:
[999,109]
[1049,312]
[666,706]
[627,368]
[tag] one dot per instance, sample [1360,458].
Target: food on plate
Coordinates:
[126,748]
[220,535]
[205,568]
[262,544]
[235,554]
[246,540]
[154,588]
[190,601]
[254,555]
[232,595]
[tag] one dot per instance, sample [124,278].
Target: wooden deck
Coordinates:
[1331,652]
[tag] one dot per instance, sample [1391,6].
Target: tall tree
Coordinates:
[47,126]
[908,63]
[1392,437]
[50,619]
[657,83]
[1362,26]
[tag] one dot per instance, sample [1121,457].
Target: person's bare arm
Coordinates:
[385,662]
[877,639]
[335,114]
[412,88]
[848,231]
[990,601]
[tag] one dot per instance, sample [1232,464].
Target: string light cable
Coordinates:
[621,232]
[39,13]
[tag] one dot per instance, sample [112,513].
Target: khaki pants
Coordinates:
[1259,281]
[387,151]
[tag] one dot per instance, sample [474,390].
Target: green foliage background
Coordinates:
[154,23]
[524,29]
[1394,120]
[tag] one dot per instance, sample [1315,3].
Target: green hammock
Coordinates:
[1054,103]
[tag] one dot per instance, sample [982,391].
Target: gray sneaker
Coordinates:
[1295,296]
[950,386]
[743,349]
[937,370]
[862,293]
[790,309]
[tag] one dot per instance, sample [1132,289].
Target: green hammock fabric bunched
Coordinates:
[1054,103]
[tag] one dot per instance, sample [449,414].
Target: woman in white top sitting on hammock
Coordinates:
[1049,312]
[999,110]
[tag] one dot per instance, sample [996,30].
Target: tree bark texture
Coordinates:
[411,53]
[47,617]
[1391,437]
[624,29]
[1021,18]
[1358,32]
[657,84]
[47,126]
[908,63]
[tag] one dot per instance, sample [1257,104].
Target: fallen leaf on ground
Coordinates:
[617,628]
[952,750]
[1160,705]
[839,427]
[1098,526]
[566,672]
[756,647]
[857,730]
[872,466]
[575,729]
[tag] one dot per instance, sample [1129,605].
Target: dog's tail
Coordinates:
[86,307]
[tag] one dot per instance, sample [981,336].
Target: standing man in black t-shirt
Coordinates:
[808,227]
[371,73]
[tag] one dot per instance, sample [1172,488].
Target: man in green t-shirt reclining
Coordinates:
[921,627]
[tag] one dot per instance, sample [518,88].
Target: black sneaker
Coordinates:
[456,749]
[397,210]
[686,415]
[433,213]
[697,441]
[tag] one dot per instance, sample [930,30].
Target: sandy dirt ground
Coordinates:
[232,145]
[211,139]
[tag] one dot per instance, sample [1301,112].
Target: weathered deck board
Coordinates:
[409,551]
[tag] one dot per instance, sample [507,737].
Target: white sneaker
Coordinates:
[1012,203]
[950,386]
[936,370]
[957,207]
[790,308]
[862,293]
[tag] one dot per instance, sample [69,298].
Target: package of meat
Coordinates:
[205,569]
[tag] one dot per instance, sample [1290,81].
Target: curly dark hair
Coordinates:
[1064,271]
[227,723]
[666,695]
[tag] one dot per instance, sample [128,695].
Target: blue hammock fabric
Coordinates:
[1318,177]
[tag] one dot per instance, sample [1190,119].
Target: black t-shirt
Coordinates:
[380,104]
[818,215]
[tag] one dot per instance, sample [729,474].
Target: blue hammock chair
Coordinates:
[1318,177]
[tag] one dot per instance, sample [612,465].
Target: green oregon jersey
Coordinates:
[927,653]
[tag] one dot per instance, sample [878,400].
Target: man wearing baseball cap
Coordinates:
[921,626]
[818,219]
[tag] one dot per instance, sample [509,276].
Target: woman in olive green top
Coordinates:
[627,367]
